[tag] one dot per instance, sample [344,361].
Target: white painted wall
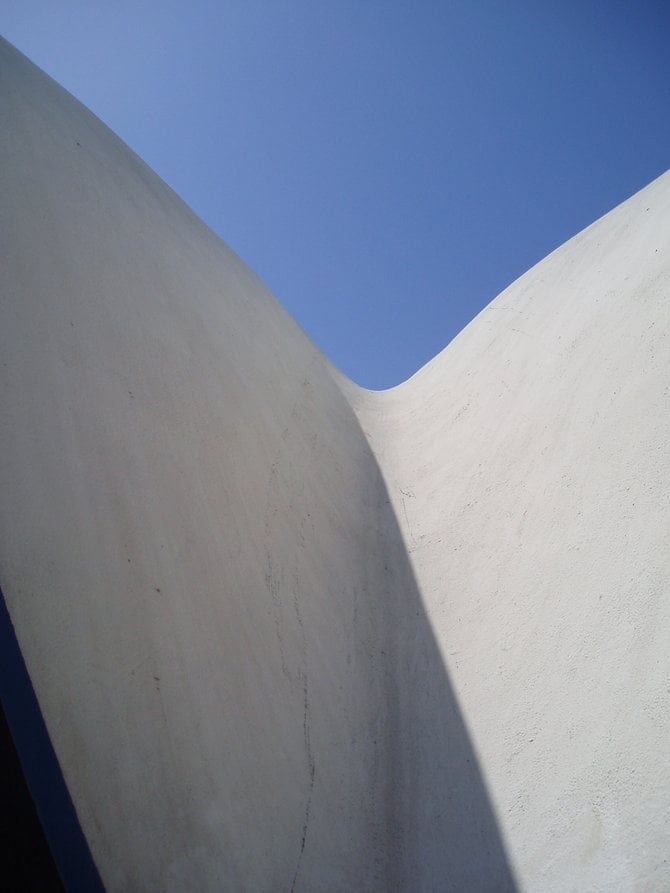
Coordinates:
[291,635]
[529,468]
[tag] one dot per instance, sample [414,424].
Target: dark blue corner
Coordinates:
[45,847]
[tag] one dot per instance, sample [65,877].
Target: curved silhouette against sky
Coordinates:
[386,168]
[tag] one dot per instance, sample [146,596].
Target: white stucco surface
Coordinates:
[288,634]
[528,466]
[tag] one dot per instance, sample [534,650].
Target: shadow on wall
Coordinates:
[429,821]
[443,834]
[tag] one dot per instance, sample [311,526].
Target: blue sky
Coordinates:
[386,168]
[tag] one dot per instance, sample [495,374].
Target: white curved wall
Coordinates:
[528,465]
[287,634]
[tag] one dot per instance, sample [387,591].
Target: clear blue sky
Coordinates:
[386,168]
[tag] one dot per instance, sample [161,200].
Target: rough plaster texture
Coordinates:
[288,634]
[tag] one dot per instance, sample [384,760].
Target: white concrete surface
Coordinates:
[288,634]
[529,468]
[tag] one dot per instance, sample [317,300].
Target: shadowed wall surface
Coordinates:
[287,634]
